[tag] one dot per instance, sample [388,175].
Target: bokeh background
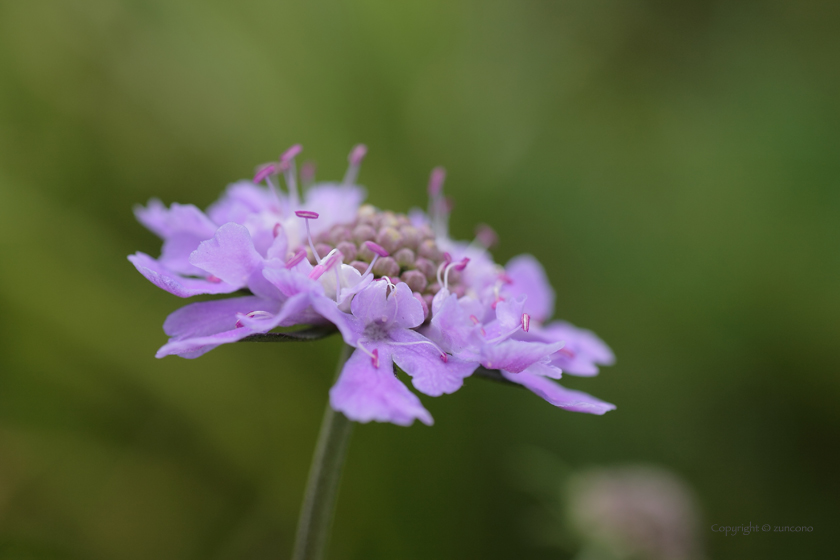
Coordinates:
[674,165]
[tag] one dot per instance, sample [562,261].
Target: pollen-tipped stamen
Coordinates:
[357,154]
[287,162]
[309,215]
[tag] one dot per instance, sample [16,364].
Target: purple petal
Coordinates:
[211,317]
[451,326]
[173,283]
[422,361]
[241,200]
[179,218]
[528,278]
[364,392]
[559,396]
[199,327]
[515,355]
[230,255]
[335,204]
[509,312]
[398,310]
[351,328]
[583,350]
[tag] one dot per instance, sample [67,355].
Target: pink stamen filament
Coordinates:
[459,266]
[307,215]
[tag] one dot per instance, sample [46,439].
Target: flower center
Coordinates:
[390,246]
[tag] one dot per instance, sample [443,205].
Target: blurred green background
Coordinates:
[674,165]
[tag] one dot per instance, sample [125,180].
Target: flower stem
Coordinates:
[316,515]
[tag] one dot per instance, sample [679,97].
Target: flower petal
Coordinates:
[422,361]
[364,392]
[515,355]
[230,255]
[335,204]
[181,286]
[559,396]
[398,309]
[177,218]
[529,278]
[211,317]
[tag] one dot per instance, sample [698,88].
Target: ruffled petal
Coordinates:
[364,392]
[529,278]
[559,396]
[211,317]
[399,309]
[230,255]
[451,326]
[422,361]
[515,355]
[181,286]
[177,218]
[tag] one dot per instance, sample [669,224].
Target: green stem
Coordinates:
[316,515]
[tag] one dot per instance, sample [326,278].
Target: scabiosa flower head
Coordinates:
[396,287]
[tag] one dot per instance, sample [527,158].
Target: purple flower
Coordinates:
[380,328]
[399,290]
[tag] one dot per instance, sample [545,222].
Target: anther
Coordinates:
[308,215]
[265,171]
[526,322]
[295,260]
[374,358]
[277,229]
[355,158]
[290,154]
[214,279]
[378,249]
[357,154]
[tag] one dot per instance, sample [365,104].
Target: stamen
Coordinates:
[308,215]
[459,266]
[290,154]
[317,271]
[447,258]
[264,171]
[287,161]
[355,159]
[253,315]
[374,356]
[436,181]
[566,352]
[295,260]
[278,227]
[526,322]
[378,249]
[214,279]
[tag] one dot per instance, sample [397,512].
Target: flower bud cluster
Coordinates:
[414,256]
